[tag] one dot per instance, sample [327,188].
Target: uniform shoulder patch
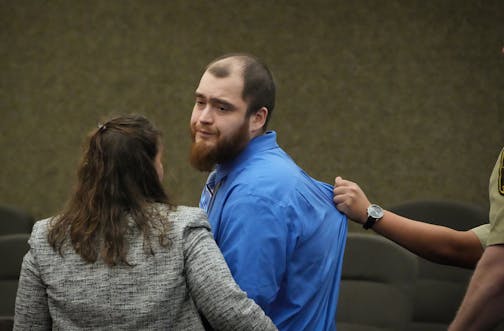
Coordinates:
[500,181]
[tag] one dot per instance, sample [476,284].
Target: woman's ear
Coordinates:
[258,119]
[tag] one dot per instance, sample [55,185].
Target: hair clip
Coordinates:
[102,127]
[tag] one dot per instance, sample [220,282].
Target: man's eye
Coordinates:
[224,107]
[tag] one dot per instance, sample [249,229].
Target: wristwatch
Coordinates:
[375,213]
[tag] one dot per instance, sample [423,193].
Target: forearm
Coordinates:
[483,304]
[433,242]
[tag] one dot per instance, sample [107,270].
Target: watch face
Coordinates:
[375,211]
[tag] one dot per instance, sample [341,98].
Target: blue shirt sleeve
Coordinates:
[254,239]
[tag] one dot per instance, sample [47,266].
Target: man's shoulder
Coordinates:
[264,180]
[269,166]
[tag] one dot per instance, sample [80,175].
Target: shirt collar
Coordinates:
[258,144]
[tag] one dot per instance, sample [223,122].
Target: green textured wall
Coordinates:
[403,96]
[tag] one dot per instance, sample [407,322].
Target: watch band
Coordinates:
[369,223]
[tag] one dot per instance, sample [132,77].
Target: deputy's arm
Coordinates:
[486,289]
[436,243]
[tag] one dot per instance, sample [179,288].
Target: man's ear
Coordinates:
[258,119]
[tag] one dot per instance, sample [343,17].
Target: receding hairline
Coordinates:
[224,67]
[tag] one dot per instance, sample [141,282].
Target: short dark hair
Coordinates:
[258,84]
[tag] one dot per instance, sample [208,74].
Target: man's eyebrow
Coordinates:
[220,101]
[215,100]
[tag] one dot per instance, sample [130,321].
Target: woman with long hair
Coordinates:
[121,256]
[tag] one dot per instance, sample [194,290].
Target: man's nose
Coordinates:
[206,114]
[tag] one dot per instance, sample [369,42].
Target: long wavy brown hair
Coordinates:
[116,179]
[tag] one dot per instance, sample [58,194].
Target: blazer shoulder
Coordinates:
[190,217]
[40,231]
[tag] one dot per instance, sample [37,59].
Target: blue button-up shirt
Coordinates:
[280,234]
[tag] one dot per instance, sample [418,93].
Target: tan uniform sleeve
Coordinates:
[496,196]
[482,232]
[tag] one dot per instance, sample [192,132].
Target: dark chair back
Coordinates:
[376,287]
[13,247]
[14,220]
[440,288]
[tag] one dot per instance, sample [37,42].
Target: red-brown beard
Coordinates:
[204,157]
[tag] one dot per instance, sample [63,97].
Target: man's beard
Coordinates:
[204,157]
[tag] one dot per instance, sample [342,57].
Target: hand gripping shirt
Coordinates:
[493,233]
[280,234]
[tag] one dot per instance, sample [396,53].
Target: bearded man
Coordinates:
[277,227]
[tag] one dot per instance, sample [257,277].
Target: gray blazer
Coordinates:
[160,292]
